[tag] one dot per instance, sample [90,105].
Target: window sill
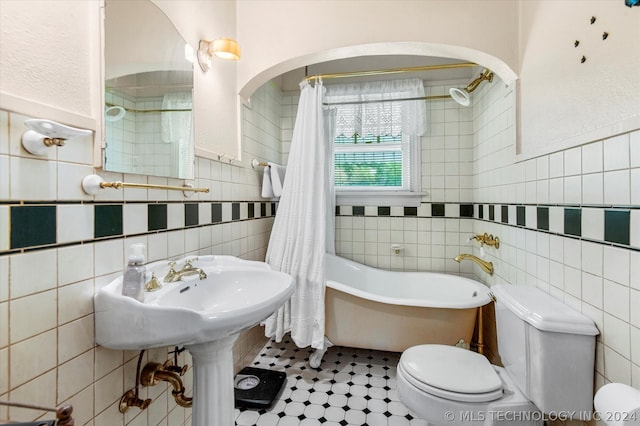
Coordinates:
[379,198]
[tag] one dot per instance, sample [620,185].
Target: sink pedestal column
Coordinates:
[213,400]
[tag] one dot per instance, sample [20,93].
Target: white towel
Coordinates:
[267,188]
[277,178]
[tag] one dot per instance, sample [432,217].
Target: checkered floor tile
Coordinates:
[351,387]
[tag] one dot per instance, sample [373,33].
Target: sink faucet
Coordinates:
[187,269]
[485,265]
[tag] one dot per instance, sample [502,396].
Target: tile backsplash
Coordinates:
[59,245]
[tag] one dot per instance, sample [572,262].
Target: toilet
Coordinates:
[548,353]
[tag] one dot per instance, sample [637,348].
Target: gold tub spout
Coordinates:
[486,266]
[153,373]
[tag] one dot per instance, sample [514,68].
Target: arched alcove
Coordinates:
[506,74]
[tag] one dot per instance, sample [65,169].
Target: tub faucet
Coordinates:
[485,265]
[187,269]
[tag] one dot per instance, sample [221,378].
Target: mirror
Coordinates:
[148,93]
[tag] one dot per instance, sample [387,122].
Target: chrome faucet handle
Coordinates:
[171,266]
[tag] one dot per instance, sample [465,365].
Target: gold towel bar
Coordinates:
[93,183]
[255,163]
[63,413]
[119,185]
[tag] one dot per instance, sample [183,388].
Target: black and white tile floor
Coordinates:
[351,387]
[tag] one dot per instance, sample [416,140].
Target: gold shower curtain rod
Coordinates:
[378,101]
[485,75]
[391,71]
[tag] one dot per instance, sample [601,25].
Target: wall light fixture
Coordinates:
[225,48]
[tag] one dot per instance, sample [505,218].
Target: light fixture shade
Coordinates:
[226,48]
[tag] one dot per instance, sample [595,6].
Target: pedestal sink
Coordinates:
[204,315]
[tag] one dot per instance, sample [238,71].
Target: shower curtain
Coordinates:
[176,129]
[299,238]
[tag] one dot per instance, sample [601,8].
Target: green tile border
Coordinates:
[35,223]
[32,226]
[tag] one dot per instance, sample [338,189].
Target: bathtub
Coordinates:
[384,310]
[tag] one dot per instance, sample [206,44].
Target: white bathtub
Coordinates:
[385,310]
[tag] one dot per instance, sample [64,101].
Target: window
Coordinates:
[377,147]
[373,162]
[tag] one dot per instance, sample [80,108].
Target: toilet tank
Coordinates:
[548,349]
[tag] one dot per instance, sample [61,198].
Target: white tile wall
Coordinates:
[47,350]
[593,277]
[598,279]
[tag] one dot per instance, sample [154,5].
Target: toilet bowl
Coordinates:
[537,339]
[446,385]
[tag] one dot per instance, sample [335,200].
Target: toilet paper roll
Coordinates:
[617,404]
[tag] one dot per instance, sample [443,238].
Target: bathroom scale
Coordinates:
[257,387]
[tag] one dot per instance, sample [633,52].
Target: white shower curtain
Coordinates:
[299,236]
[176,128]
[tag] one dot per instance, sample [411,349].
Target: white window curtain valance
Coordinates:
[379,118]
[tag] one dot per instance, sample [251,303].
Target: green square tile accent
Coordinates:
[384,211]
[337,210]
[191,214]
[235,211]
[573,222]
[251,210]
[492,212]
[521,216]
[616,226]
[466,210]
[411,211]
[107,220]
[437,210]
[543,218]
[504,214]
[480,211]
[32,226]
[274,207]
[216,212]
[157,217]
[358,211]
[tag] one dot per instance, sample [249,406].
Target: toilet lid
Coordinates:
[452,373]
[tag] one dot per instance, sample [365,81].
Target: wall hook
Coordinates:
[583,59]
[605,35]
[593,20]
[576,43]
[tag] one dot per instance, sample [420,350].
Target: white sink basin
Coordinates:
[236,294]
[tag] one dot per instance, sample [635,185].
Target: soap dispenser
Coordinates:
[135,273]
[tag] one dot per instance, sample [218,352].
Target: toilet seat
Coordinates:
[452,373]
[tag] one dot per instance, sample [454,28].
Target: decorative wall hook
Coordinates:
[605,35]
[43,134]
